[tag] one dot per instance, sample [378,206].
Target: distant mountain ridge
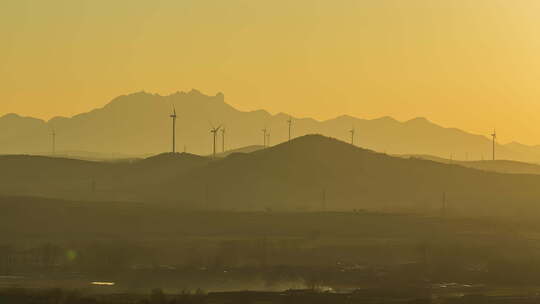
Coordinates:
[138,124]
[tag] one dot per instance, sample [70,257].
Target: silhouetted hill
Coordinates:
[54,177]
[294,176]
[90,180]
[168,158]
[161,168]
[247,149]
[312,172]
[501,166]
[139,124]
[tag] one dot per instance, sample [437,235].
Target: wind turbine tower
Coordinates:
[223,139]
[268,139]
[494,135]
[214,132]
[173,116]
[264,136]
[289,122]
[352,131]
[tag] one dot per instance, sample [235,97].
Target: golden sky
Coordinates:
[471,64]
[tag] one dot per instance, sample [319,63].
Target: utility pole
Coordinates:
[443,209]
[352,136]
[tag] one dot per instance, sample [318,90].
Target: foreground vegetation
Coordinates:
[157,296]
[142,246]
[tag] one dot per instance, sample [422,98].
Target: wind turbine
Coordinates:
[223,139]
[173,116]
[214,132]
[289,122]
[352,135]
[264,136]
[494,135]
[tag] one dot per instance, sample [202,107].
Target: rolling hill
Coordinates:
[247,149]
[501,166]
[311,172]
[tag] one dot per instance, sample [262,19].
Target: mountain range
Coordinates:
[138,124]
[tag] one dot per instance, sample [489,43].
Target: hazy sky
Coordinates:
[471,64]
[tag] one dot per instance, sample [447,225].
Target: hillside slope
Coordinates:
[312,172]
[315,173]
[501,166]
